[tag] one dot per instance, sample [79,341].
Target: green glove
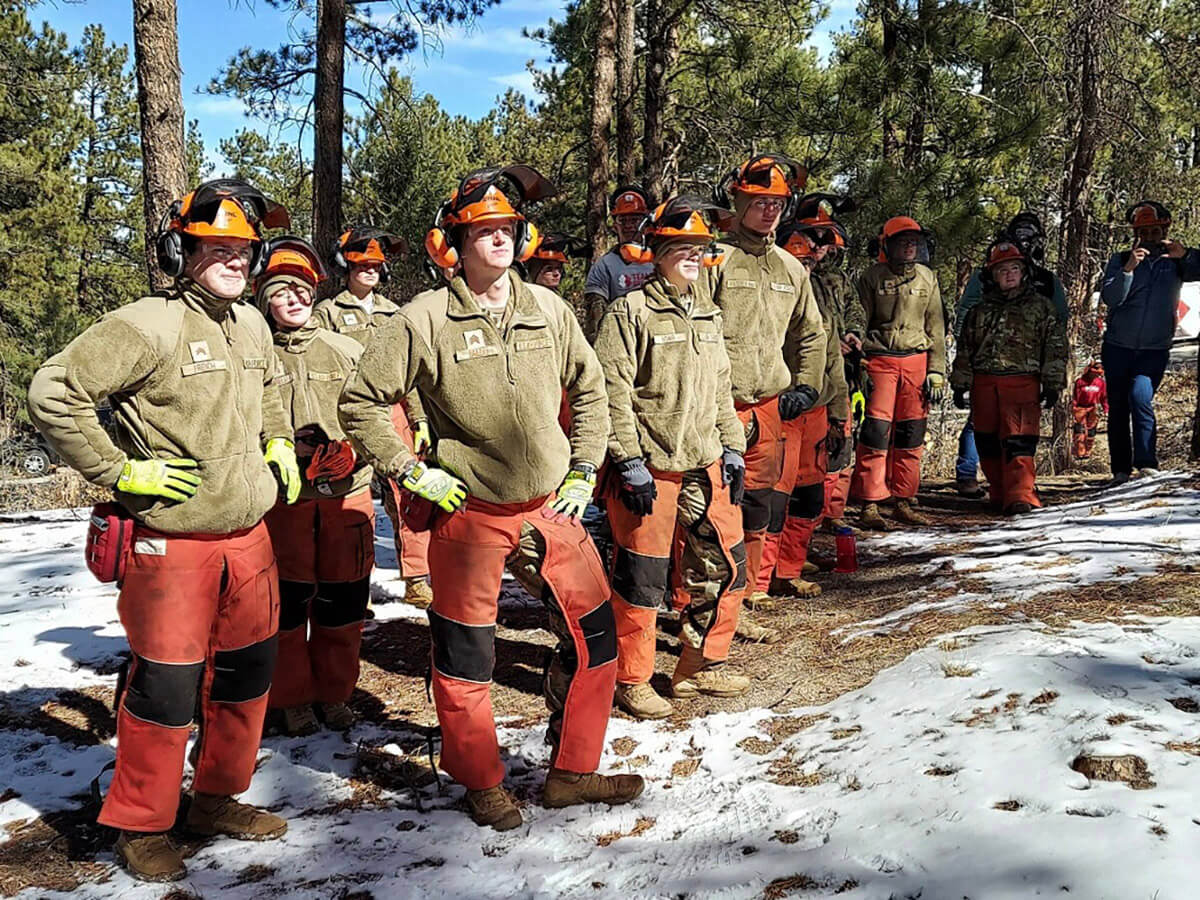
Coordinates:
[281,454]
[574,494]
[168,478]
[437,486]
[422,438]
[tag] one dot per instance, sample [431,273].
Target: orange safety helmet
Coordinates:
[795,240]
[1147,214]
[628,200]
[898,225]
[480,198]
[763,175]
[290,255]
[682,218]
[222,208]
[364,244]
[557,247]
[1004,251]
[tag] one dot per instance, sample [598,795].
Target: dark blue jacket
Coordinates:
[1142,303]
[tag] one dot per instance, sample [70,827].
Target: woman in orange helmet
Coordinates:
[677,445]
[325,542]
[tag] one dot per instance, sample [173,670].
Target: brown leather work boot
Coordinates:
[494,807]
[150,856]
[748,630]
[802,588]
[759,600]
[810,568]
[299,720]
[212,814]
[641,701]
[907,513]
[338,716]
[695,675]
[871,518]
[571,789]
[418,593]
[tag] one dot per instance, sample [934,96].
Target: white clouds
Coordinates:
[217,106]
[522,81]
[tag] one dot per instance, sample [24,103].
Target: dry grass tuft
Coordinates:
[638,762]
[640,827]
[1158,830]
[787,836]
[756,745]
[1129,769]
[1045,698]
[957,670]
[254,873]
[840,734]
[623,746]
[940,771]
[1192,747]
[685,768]
[783,887]
[1185,704]
[782,727]
[1007,805]
[1120,719]
[788,771]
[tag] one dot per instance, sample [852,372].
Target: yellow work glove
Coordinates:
[167,478]
[935,387]
[573,495]
[422,438]
[858,406]
[437,486]
[281,456]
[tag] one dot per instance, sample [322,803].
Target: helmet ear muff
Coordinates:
[440,248]
[524,240]
[713,256]
[637,254]
[720,194]
[168,245]
[338,260]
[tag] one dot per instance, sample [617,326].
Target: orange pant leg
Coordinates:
[765,503]
[908,427]
[412,547]
[985,412]
[870,480]
[1020,423]
[293,531]
[807,498]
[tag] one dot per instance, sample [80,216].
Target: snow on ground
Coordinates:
[949,775]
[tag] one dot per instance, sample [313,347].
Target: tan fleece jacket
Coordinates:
[188,375]
[903,313]
[667,373]
[316,364]
[773,330]
[492,395]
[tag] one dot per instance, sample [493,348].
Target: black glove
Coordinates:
[1049,397]
[733,469]
[835,439]
[798,400]
[638,490]
[960,398]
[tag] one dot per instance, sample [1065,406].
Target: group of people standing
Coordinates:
[707,398]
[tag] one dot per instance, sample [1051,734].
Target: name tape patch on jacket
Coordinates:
[477,347]
[672,338]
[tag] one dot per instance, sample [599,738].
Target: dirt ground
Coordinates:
[812,664]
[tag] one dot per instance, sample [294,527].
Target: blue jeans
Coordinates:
[1132,376]
[966,467]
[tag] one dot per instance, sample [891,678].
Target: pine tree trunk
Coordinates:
[329,104]
[603,79]
[626,130]
[1085,66]
[662,51]
[160,104]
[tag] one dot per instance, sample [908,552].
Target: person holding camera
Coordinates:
[1141,289]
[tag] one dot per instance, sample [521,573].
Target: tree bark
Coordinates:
[603,78]
[889,23]
[1085,66]
[160,105]
[662,52]
[329,104]
[626,128]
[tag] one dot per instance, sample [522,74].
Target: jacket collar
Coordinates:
[748,241]
[297,340]
[461,303]
[662,296]
[381,303]
[216,308]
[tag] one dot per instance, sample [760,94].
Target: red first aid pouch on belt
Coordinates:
[416,512]
[109,541]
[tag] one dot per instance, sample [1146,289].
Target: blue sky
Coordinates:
[472,67]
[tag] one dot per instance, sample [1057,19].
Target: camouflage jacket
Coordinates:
[1017,336]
